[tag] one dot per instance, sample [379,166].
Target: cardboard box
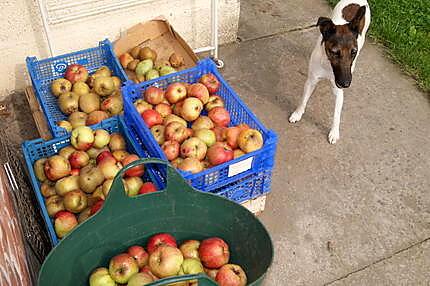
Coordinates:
[160,36]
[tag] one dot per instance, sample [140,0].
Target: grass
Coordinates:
[403,26]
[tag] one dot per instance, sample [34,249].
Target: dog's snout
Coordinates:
[343,83]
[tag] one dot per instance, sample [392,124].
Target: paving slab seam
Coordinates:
[279,33]
[377,261]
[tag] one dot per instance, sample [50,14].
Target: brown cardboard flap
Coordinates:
[160,36]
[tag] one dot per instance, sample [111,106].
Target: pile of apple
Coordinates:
[140,64]
[87,99]
[76,181]
[162,258]
[209,141]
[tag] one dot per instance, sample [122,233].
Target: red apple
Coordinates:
[231,275]
[79,159]
[158,240]
[176,92]
[165,261]
[103,155]
[137,171]
[154,95]
[64,223]
[171,149]
[219,116]
[214,252]
[250,140]
[177,108]
[75,73]
[193,148]
[211,82]
[147,270]
[220,133]
[199,91]
[151,118]
[232,133]
[96,207]
[175,131]
[56,167]
[95,117]
[75,172]
[138,253]
[164,109]
[147,187]
[122,267]
[192,165]
[218,154]
[214,101]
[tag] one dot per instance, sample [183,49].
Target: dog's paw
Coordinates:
[333,136]
[296,116]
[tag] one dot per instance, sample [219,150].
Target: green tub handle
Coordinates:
[203,279]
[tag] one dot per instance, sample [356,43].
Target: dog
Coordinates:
[335,55]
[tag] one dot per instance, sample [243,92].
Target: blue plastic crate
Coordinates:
[221,175]
[43,72]
[38,148]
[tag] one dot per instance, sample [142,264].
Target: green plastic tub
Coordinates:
[180,210]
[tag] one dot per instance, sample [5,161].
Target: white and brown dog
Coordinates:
[335,55]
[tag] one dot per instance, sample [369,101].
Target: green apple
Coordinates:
[143,67]
[101,277]
[152,74]
[166,70]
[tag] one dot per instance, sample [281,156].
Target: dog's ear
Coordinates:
[327,27]
[357,24]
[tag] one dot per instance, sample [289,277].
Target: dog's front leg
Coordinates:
[333,135]
[309,88]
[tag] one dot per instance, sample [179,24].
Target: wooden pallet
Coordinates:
[38,116]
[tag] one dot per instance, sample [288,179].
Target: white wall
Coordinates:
[21,30]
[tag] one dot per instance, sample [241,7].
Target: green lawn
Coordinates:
[404,27]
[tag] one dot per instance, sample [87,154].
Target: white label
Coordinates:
[240,167]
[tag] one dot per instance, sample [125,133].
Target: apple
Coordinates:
[89,102]
[176,92]
[96,196]
[125,59]
[192,165]
[177,108]
[211,82]
[214,252]
[143,67]
[220,133]
[39,169]
[191,108]
[79,159]
[237,153]
[101,138]
[101,277]
[109,167]
[141,105]
[96,116]
[68,102]
[158,133]
[174,118]
[140,279]
[90,178]
[122,267]
[191,266]
[147,53]
[117,82]
[175,131]
[132,66]
[231,275]
[103,155]
[231,134]
[147,187]
[66,151]
[220,116]
[166,70]
[75,73]
[147,270]
[176,162]
[250,140]
[133,185]
[189,133]
[176,60]
[117,142]
[151,118]
[56,167]
[60,86]
[82,138]
[66,184]
[77,119]
[164,109]
[193,148]
[152,74]
[214,101]
[47,189]
[84,215]
[97,206]
[65,124]
[120,155]
[106,186]
[75,172]
[64,223]
[218,154]
[154,95]
[137,171]
[203,122]
[80,88]
[158,240]
[190,248]
[199,91]
[113,105]
[165,261]
[54,204]
[75,201]
[104,86]
[138,253]
[206,135]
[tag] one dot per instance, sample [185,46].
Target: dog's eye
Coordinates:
[353,52]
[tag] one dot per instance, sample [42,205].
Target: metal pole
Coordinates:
[214,21]
[46,25]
